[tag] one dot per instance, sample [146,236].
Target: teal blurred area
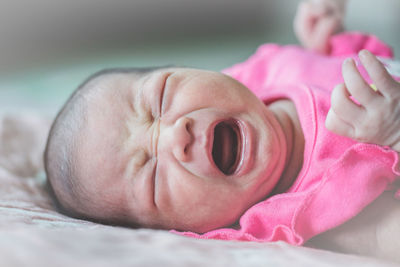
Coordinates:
[49,47]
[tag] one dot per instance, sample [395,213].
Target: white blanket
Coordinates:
[33,233]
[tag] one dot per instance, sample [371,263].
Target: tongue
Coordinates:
[225,138]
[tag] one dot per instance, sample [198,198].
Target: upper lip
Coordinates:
[210,141]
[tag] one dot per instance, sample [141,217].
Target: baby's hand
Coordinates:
[376,119]
[316,21]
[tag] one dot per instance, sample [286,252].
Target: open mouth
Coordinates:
[227,146]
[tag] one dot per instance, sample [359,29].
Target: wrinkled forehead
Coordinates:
[108,105]
[100,155]
[102,139]
[111,104]
[118,77]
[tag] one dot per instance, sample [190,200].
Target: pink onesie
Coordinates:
[339,176]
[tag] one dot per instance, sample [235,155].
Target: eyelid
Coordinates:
[163,93]
[154,139]
[153,181]
[154,158]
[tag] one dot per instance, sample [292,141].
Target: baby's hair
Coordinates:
[59,158]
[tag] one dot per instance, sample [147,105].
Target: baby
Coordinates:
[195,150]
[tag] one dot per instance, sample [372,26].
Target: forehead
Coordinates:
[108,104]
[101,87]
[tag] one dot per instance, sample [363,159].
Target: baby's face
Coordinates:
[179,149]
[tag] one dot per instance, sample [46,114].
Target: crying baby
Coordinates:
[170,148]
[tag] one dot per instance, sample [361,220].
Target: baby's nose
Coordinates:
[178,138]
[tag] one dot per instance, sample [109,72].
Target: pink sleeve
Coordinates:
[350,43]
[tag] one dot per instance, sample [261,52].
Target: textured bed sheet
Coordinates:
[33,233]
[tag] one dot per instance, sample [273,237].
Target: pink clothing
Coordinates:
[339,176]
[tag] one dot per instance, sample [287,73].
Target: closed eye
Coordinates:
[163,89]
[153,181]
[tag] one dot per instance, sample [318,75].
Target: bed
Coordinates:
[33,233]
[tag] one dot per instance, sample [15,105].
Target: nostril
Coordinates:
[182,138]
[188,125]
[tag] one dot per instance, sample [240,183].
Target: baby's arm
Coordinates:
[316,21]
[376,119]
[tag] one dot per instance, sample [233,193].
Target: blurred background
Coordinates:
[48,47]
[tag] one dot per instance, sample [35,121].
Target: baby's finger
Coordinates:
[356,84]
[343,106]
[335,124]
[378,73]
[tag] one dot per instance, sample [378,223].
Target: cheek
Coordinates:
[196,204]
[186,190]
[268,165]
[203,196]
